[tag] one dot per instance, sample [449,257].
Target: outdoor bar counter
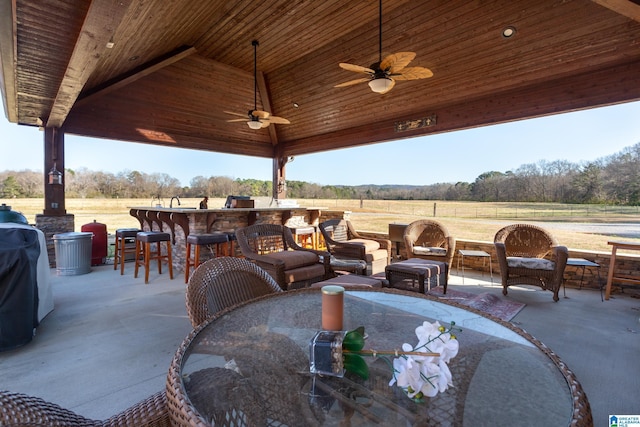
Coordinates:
[181,222]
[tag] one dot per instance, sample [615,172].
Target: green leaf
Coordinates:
[355,364]
[354,340]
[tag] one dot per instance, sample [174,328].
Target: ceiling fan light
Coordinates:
[380,85]
[254,124]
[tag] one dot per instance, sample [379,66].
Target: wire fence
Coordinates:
[483,210]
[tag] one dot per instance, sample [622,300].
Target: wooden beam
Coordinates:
[266,104]
[147,69]
[623,7]
[8,50]
[102,19]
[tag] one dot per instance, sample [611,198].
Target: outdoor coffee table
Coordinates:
[415,271]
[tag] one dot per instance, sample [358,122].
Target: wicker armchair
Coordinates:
[223,282]
[344,242]
[429,239]
[17,409]
[530,255]
[272,247]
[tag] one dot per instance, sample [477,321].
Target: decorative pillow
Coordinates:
[370,245]
[425,250]
[533,263]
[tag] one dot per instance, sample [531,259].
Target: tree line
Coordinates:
[614,179]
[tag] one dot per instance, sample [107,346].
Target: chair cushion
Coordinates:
[376,255]
[309,272]
[369,245]
[295,259]
[424,250]
[533,263]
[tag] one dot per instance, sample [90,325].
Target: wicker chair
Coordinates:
[429,239]
[223,282]
[530,255]
[272,247]
[344,242]
[17,409]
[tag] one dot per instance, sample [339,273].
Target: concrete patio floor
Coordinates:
[110,339]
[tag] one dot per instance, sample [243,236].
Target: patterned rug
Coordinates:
[490,303]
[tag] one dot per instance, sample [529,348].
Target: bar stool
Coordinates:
[121,250]
[305,236]
[199,240]
[144,255]
[232,238]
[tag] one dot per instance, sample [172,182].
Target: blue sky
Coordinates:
[450,157]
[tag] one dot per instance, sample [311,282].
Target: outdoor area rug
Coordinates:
[489,303]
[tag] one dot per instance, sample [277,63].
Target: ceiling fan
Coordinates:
[257,119]
[383,74]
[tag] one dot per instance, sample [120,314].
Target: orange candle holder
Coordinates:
[332,307]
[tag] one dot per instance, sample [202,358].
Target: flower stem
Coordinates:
[396,353]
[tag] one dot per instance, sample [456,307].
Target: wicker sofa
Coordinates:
[530,255]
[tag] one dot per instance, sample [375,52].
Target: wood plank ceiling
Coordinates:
[175,67]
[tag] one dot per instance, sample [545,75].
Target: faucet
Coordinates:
[171,202]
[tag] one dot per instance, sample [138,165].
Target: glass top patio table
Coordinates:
[250,366]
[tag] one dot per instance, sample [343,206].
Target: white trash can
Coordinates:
[73,253]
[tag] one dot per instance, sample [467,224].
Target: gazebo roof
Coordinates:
[164,72]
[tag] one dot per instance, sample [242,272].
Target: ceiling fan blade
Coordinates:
[260,114]
[237,120]
[278,120]
[264,123]
[236,114]
[397,61]
[356,68]
[413,73]
[353,82]
[391,85]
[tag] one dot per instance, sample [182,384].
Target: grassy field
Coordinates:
[465,220]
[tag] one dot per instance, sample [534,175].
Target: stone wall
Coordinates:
[54,224]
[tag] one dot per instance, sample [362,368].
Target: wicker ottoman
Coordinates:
[413,273]
[351,281]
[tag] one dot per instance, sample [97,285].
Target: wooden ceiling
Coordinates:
[176,66]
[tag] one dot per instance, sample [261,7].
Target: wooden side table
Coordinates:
[612,264]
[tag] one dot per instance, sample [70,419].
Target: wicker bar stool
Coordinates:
[124,235]
[144,254]
[215,239]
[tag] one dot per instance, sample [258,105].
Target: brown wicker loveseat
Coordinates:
[530,255]
[272,247]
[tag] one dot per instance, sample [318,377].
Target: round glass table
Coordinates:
[249,365]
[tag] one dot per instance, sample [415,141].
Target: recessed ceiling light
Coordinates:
[296,105]
[508,32]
